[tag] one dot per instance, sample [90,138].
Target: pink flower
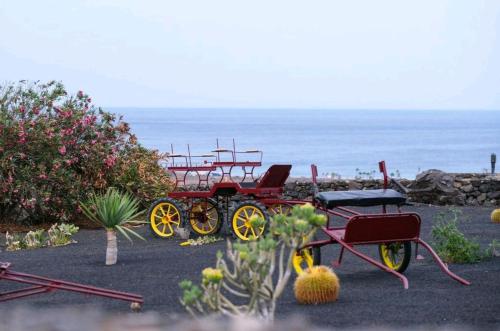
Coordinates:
[22,136]
[110,161]
[36,111]
[42,176]
[80,94]
[62,150]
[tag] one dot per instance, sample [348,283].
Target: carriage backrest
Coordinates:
[382,227]
[275,176]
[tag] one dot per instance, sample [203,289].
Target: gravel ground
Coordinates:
[368,298]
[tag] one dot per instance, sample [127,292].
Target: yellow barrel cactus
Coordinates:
[495,216]
[317,285]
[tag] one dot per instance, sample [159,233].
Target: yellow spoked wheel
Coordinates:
[396,255]
[165,215]
[204,217]
[279,209]
[241,220]
[306,258]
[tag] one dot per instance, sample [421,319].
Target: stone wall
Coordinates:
[432,187]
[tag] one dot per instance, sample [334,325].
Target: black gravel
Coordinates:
[369,297]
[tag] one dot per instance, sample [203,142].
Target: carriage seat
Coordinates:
[275,177]
[360,198]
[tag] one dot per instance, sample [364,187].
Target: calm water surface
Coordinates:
[338,141]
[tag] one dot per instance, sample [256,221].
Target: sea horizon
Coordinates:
[345,143]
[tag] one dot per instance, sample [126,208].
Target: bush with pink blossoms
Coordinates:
[55,148]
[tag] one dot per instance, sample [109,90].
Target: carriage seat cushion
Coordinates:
[361,198]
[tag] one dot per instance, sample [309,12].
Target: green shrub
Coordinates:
[450,243]
[139,171]
[56,149]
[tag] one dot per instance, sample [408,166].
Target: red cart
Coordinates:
[201,210]
[393,232]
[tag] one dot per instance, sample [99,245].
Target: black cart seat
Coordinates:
[361,198]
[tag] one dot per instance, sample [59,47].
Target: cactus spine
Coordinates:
[317,285]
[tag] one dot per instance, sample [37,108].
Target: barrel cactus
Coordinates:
[495,216]
[317,285]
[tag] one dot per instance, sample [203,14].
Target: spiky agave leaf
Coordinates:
[113,210]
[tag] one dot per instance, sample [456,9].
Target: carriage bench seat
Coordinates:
[360,198]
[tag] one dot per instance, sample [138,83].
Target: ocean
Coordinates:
[346,143]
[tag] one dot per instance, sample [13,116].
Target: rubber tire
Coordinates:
[406,258]
[176,204]
[253,203]
[220,222]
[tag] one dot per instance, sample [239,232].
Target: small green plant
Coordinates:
[201,241]
[57,235]
[254,274]
[60,234]
[35,239]
[113,211]
[14,242]
[450,243]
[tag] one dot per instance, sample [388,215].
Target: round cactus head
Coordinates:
[495,216]
[317,285]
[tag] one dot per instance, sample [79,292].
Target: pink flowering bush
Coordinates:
[55,149]
[140,171]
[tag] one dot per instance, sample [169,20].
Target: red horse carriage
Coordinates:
[201,210]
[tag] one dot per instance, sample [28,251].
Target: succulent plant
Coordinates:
[317,285]
[60,234]
[253,275]
[13,242]
[35,239]
[495,216]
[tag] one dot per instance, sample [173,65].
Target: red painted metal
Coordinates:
[226,166]
[383,170]
[359,229]
[44,285]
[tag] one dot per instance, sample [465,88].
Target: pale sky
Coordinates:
[432,54]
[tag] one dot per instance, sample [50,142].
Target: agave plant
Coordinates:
[112,211]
